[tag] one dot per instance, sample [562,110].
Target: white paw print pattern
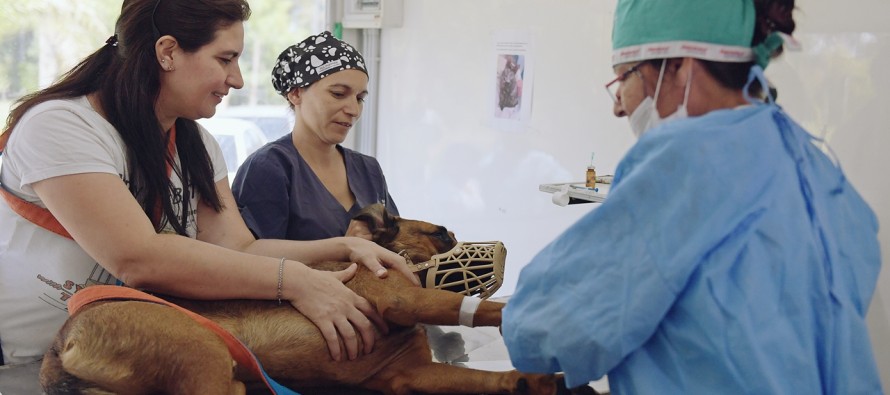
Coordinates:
[313,59]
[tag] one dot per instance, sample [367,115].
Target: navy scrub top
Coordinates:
[280,197]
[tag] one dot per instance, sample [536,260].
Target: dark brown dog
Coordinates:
[131,347]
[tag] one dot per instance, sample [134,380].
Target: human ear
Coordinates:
[295,96]
[680,70]
[165,48]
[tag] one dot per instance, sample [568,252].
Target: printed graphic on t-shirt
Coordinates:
[62,290]
[191,218]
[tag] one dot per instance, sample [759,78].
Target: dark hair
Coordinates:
[126,79]
[771,16]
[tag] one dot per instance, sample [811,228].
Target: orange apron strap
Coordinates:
[30,211]
[171,149]
[34,213]
[240,353]
[45,219]
[171,153]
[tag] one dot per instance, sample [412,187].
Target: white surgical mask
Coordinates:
[646,117]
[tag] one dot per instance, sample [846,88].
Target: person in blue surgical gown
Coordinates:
[732,255]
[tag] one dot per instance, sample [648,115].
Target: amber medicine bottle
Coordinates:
[591,173]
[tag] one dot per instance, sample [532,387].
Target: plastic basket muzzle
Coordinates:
[470,268]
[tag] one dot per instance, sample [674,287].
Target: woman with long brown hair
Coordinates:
[107,178]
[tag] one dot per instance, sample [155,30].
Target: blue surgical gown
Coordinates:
[280,197]
[731,256]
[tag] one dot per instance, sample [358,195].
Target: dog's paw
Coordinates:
[562,389]
[521,386]
[539,384]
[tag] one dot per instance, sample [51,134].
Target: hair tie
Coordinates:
[112,40]
[764,51]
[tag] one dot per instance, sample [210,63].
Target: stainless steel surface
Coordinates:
[578,192]
[20,379]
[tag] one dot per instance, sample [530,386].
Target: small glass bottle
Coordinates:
[591,174]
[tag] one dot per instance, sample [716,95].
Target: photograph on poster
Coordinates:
[512,80]
[509,85]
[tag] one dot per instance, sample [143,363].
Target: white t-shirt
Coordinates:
[40,270]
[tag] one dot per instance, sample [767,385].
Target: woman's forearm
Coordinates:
[189,268]
[333,249]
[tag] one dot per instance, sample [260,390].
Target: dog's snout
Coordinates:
[446,237]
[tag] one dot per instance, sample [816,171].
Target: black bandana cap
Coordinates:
[312,59]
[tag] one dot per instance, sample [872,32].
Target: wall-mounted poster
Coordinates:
[512,79]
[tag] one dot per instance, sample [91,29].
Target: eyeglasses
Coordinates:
[154,26]
[612,86]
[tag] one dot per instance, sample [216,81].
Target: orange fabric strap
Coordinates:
[171,153]
[43,217]
[30,211]
[171,149]
[240,353]
[34,213]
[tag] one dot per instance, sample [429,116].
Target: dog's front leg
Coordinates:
[402,303]
[411,305]
[437,378]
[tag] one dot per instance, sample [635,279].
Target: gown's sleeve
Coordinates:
[262,188]
[599,291]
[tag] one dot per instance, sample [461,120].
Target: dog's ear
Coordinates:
[375,217]
[382,225]
[385,236]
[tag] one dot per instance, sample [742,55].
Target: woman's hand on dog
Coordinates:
[378,259]
[345,319]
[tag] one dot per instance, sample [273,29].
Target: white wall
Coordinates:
[446,163]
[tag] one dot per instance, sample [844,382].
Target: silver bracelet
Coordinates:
[280,278]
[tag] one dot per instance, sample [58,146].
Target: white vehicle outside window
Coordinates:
[237,138]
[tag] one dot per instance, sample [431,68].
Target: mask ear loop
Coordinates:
[688,85]
[658,84]
[756,73]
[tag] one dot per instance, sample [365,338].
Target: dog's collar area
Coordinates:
[411,265]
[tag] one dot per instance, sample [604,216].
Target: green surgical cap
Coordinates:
[718,30]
